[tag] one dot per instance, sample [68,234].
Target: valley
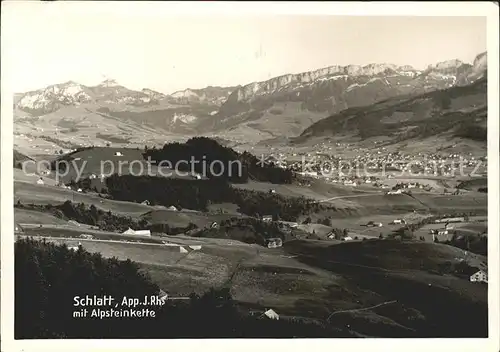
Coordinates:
[338,217]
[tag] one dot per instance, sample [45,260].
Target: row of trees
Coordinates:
[104,220]
[49,276]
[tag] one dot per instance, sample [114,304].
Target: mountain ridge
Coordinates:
[281,106]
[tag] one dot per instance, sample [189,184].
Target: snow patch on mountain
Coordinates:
[185,118]
[60,94]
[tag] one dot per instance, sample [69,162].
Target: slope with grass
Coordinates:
[457,112]
[413,274]
[313,279]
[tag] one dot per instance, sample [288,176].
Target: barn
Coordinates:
[137,232]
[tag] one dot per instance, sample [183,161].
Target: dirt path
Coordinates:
[360,309]
[350,196]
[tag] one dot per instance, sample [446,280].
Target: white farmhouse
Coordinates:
[271,314]
[480,276]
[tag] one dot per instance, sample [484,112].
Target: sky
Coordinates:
[170,53]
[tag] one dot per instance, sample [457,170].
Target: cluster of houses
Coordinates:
[376,159]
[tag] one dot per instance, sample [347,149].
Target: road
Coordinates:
[97,240]
[350,196]
[204,242]
[359,309]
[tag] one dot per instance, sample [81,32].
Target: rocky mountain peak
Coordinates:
[445,65]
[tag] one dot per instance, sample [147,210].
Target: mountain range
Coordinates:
[284,106]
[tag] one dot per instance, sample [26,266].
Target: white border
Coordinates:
[489,9]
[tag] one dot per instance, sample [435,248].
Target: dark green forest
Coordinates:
[216,161]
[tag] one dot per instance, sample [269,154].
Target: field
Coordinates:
[318,190]
[470,202]
[313,279]
[183,218]
[24,216]
[45,194]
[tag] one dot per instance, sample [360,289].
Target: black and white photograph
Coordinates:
[257,175]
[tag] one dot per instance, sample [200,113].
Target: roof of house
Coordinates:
[271,313]
[480,271]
